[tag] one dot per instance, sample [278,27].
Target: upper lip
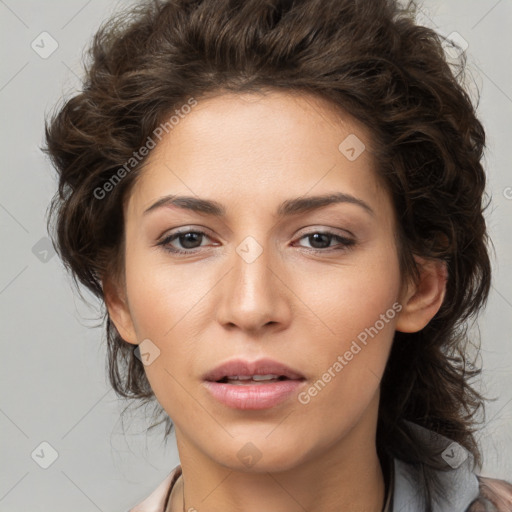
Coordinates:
[241,367]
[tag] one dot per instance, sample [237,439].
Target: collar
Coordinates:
[458,481]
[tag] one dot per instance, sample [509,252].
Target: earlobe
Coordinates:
[118,311]
[422,299]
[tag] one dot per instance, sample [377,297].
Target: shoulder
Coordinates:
[494,496]
[157,500]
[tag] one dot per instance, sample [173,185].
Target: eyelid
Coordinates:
[344,233]
[183,230]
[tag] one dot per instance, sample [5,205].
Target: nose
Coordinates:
[254,295]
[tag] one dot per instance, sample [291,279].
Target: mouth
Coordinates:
[241,372]
[263,384]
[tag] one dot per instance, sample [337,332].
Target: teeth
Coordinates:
[256,378]
[253,377]
[265,377]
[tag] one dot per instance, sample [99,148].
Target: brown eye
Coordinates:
[187,242]
[320,241]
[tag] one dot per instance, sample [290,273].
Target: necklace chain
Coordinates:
[183,492]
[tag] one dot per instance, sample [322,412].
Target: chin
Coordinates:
[260,454]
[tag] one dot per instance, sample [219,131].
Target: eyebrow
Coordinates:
[286,208]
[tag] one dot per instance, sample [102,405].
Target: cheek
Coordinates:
[357,313]
[350,297]
[161,295]
[167,305]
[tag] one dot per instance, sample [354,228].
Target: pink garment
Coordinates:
[157,500]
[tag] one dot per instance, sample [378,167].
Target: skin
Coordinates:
[250,152]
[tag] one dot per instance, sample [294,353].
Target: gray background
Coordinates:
[54,387]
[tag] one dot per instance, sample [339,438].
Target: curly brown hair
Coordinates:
[368,58]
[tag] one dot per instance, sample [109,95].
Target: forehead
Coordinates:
[248,148]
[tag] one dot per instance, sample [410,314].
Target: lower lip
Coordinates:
[253,396]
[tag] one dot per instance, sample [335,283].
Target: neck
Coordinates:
[346,476]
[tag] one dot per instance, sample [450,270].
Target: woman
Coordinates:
[280,204]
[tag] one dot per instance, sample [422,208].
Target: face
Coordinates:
[314,286]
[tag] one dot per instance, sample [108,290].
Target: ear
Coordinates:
[118,310]
[422,299]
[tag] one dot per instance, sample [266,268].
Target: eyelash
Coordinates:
[346,243]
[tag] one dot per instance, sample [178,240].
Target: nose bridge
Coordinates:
[252,295]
